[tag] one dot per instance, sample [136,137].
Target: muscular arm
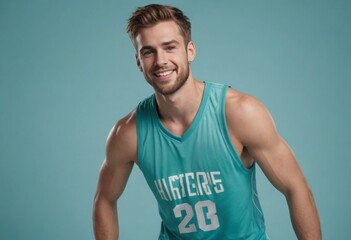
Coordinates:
[249,120]
[120,155]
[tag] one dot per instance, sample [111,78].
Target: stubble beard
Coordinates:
[179,83]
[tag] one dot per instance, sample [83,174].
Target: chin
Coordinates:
[170,88]
[165,90]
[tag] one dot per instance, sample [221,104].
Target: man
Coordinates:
[197,145]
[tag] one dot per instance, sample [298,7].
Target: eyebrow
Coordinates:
[170,42]
[163,44]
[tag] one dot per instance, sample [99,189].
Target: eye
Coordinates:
[146,53]
[170,48]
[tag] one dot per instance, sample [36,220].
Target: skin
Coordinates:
[161,49]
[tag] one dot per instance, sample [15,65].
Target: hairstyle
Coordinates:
[152,14]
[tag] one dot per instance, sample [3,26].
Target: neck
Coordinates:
[177,111]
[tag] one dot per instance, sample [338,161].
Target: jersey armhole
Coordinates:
[139,134]
[226,134]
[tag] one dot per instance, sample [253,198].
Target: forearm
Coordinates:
[105,220]
[304,215]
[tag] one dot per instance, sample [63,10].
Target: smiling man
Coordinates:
[197,144]
[169,71]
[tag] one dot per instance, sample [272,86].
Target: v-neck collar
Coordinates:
[193,124]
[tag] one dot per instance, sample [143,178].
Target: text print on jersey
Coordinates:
[206,216]
[189,184]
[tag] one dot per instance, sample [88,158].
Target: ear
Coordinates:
[138,62]
[191,50]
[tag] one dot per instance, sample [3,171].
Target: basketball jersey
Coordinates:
[202,188]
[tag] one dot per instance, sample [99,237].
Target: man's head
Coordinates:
[161,36]
[152,14]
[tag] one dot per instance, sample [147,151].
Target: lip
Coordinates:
[164,74]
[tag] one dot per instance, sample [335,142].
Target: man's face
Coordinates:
[163,57]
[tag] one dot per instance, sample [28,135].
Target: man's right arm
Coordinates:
[121,153]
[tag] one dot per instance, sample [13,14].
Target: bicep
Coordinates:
[113,178]
[257,132]
[279,164]
[121,151]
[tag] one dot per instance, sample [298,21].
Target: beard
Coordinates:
[169,90]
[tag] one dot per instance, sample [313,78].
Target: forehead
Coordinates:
[156,35]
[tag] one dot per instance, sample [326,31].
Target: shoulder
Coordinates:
[244,107]
[122,139]
[247,117]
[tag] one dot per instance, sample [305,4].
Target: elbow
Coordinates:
[100,201]
[97,207]
[297,191]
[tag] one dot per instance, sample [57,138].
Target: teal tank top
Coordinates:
[202,188]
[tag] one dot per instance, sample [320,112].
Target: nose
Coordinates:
[161,58]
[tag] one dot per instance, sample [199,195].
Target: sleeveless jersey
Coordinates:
[202,188]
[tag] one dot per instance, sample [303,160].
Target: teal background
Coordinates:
[68,73]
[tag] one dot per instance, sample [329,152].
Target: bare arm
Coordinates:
[255,129]
[120,155]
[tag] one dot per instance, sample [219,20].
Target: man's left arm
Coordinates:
[257,133]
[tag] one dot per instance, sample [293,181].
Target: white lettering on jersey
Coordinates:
[189,184]
[217,182]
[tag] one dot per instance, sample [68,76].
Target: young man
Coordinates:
[197,145]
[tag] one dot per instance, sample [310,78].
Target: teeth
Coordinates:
[162,74]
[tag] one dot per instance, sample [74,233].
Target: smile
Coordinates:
[163,74]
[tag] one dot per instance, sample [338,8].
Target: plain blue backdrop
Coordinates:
[68,73]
